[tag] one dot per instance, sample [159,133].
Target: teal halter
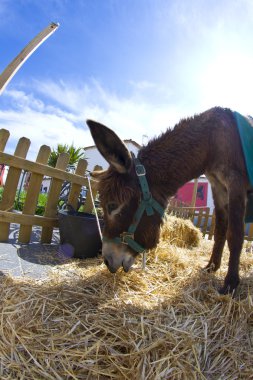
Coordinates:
[148,204]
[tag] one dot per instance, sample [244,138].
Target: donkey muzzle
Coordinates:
[115,256]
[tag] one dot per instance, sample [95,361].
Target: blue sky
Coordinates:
[137,66]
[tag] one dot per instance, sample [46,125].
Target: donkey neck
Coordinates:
[175,157]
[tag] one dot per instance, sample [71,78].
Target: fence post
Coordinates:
[33,194]
[212,227]
[199,218]
[194,192]
[4,136]
[11,185]
[88,206]
[53,196]
[204,228]
[75,188]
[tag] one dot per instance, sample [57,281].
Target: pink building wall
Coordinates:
[184,194]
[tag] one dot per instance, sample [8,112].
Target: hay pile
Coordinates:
[167,322]
[180,232]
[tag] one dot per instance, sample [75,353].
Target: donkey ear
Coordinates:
[110,146]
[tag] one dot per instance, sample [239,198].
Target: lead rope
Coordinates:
[144,254]
[94,207]
[144,259]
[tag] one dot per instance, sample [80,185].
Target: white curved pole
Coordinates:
[20,59]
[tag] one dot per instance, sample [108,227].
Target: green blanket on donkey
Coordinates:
[245,127]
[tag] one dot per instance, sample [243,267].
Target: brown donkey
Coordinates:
[134,192]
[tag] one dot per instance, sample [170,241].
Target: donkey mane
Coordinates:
[182,153]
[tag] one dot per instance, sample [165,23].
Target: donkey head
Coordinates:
[120,196]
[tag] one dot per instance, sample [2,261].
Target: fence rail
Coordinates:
[204,220]
[18,163]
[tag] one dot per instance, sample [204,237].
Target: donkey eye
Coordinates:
[112,207]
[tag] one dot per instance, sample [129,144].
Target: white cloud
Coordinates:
[55,112]
[60,118]
[143,85]
[41,128]
[22,100]
[70,97]
[227,81]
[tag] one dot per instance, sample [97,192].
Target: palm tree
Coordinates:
[74,154]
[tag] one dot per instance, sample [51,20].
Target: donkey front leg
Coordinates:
[235,235]
[221,224]
[219,240]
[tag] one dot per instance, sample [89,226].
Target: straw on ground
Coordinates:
[167,322]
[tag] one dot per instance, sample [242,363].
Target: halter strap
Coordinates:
[148,204]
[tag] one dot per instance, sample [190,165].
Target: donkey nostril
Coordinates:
[110,264]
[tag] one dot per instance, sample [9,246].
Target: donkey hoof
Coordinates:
[230,286]
[211,267]
[224,290]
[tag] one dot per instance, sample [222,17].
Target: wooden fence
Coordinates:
[17,163]
[201,218]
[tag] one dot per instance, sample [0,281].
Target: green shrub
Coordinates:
[20,200]
[1,193]
[42,202]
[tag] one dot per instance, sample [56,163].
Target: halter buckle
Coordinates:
[125,235]
[140,170]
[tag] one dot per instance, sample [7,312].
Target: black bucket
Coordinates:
[79,235]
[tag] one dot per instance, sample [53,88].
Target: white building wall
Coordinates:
[210,198]
[94,157]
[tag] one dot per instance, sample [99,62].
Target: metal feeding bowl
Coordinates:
[79,234]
